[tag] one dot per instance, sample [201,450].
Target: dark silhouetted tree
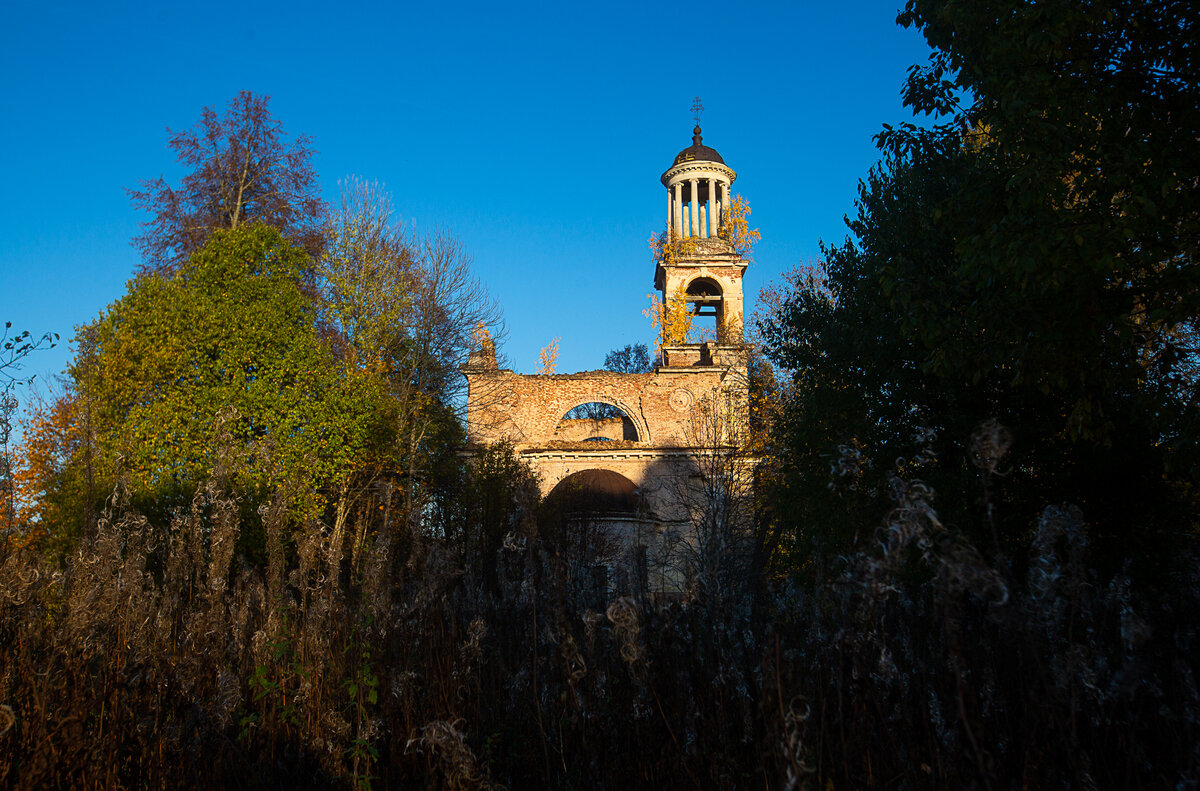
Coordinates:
[1028,256]
[633,359]
[242,168]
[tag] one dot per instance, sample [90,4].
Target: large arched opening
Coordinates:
[596,421]
[592,519]
[597,491]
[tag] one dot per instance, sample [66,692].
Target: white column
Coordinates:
[712,208]
[724,216]
[693,221]
[677,213]
[724,204]
[716,198]
[670,205]
[680,210]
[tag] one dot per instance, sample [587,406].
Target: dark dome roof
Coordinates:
[698,152]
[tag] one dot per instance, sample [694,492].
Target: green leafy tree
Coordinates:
[230,340]
[1026,257]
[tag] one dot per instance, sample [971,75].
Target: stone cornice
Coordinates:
[699,166]
[698,260]
[703,246]
[541,452]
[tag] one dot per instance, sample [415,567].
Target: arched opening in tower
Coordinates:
[596,421]
[708,308]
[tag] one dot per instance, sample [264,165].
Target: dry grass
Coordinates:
[157,657]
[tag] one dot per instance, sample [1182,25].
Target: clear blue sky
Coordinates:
[535,132]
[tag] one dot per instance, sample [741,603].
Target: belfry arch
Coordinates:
[706,300]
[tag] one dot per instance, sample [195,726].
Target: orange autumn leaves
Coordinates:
[52,435]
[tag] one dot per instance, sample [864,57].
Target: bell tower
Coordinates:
[634,470]
[698,265]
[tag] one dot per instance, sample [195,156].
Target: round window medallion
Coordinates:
[682,399]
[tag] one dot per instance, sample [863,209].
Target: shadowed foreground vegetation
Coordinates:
[156,657]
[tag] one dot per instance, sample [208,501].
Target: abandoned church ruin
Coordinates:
[643,458]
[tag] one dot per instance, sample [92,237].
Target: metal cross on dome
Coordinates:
[697,108]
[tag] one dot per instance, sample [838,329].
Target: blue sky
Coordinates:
[534,132]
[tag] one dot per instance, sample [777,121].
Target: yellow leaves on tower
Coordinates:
[481,338]
[737,231]
[668,247]
[671,320]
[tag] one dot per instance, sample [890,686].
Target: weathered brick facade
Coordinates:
[662,409]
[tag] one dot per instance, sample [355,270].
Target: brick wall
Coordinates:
[528,408]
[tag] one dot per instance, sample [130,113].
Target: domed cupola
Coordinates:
[698,190]
[697,151]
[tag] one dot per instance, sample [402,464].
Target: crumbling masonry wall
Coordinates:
[663,407]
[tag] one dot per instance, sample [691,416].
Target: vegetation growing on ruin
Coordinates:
[668,247]
[670,321]
[548,358]
[735,228]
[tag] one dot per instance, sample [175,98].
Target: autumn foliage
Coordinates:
[671,320]
[736,230]
[242,168]
[481,339]
[48,481]
[668,247]
[548,358]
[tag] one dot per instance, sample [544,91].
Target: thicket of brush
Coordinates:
[156,656]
